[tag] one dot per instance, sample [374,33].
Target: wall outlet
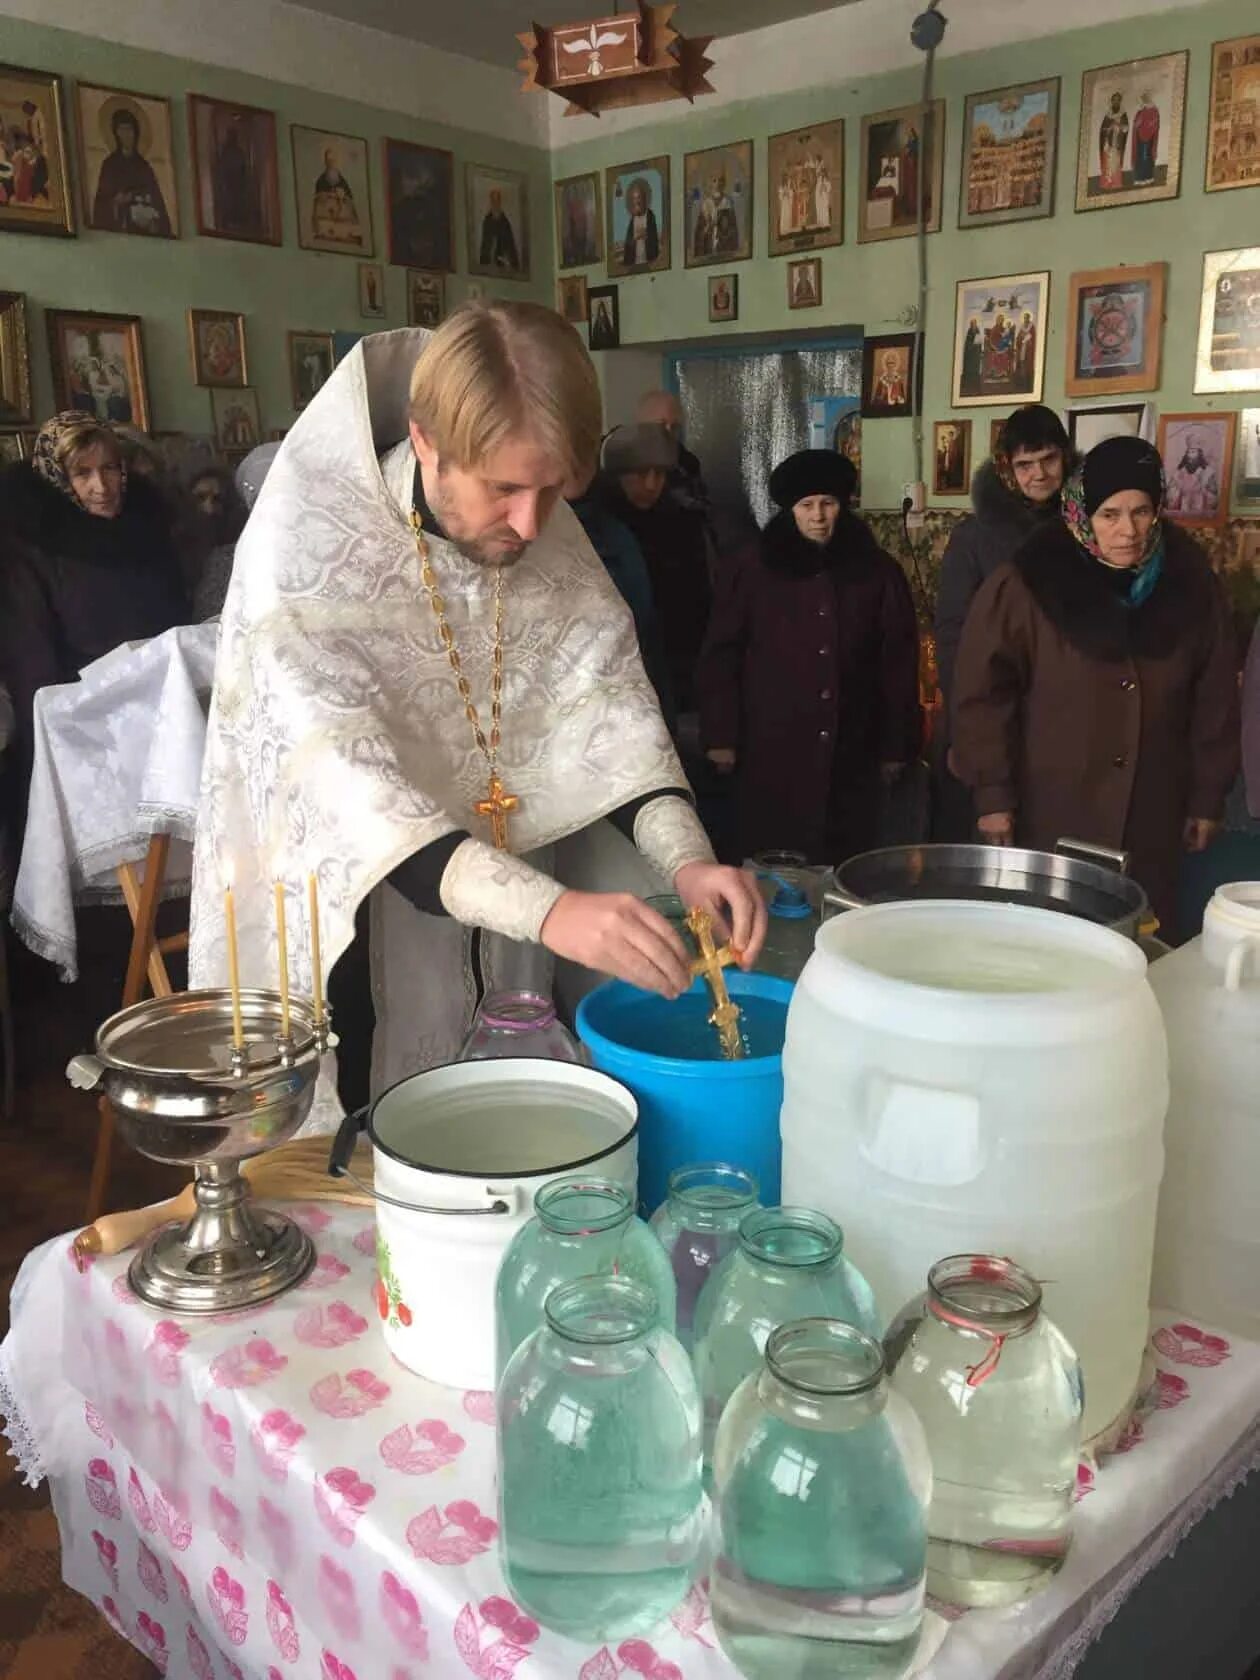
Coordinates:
[916,495]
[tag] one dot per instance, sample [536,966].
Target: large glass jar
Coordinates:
[519,1024]
[821,1476]
[581,1226]
[601,1510]
[698,1226]
[998,1391]
[789,1264]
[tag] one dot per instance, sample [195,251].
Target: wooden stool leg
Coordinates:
[101,1160]
[145,960]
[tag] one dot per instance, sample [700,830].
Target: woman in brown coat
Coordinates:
[1095,694]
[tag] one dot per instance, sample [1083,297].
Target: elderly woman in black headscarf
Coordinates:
[86,561]
[1096,693]
[809,686]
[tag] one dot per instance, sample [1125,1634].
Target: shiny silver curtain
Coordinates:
[747,411]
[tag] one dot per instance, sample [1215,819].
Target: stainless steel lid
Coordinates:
[1096,892]
[190,1033]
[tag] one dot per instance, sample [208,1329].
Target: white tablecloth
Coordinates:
[270,1495]
[117,759]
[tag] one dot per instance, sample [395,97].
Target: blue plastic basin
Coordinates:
[694,1110]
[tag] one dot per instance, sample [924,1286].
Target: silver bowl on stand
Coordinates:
[183,1094]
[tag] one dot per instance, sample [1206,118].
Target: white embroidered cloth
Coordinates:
[270,1495]
[117,760]
[338,742]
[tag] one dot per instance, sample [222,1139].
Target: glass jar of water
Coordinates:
[789,1264]
[581,1227]
[519,1024]
[698,1226]
[601,1509]
[998,1390]
[821,1476]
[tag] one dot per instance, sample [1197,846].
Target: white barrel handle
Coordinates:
[1236,962]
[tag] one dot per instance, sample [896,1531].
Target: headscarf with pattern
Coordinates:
[1146,574]
[47,454]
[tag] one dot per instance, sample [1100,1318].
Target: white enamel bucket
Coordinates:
[458,1155]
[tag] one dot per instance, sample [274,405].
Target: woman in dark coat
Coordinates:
[1012,495]
[86,561]
[808,681]
[1096,694]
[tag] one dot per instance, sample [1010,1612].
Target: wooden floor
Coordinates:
[46,1631]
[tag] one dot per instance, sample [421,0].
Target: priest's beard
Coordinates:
[498,548]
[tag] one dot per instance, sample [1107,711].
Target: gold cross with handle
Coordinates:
[709,965]
[498,806]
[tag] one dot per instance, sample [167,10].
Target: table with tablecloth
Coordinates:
[268,1494]
[117,759]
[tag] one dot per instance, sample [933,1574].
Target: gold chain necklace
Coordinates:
[498,804]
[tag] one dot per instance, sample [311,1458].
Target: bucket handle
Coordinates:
[339,1167]
[1090,851]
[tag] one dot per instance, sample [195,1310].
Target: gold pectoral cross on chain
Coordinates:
[499,804]
[497,807]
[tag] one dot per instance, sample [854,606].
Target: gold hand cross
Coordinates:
[498,806]
[709,965]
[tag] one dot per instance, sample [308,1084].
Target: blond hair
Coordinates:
[498,370]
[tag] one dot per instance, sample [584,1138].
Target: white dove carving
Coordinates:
[592,43]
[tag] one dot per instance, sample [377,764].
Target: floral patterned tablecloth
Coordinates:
[269,1496]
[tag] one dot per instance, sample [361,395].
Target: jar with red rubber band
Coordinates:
[998,1391]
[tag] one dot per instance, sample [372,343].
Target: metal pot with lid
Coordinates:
[1077,878]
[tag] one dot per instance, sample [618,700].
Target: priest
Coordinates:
[426,680]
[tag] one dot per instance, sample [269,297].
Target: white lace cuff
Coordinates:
[491,889]
[670,834]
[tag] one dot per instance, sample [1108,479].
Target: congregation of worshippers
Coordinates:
[820,617]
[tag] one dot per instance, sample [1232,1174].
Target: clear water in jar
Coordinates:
[1004,1457]
[809,1590]
[600,1487]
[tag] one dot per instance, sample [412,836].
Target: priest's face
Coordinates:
[493,511]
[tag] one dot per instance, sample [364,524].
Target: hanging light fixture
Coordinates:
[634,57]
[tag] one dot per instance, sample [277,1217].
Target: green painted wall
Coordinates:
[870,284]
[277,288]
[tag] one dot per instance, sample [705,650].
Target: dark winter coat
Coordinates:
[73,586]
[810,674]
[674,543]
[1001,522]
[1091,720]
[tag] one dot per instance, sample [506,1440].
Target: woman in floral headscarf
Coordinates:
[86,562]
[1095,693]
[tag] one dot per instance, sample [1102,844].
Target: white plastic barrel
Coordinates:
[986,1078]
[1207,1242]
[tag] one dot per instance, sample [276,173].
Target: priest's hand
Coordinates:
[619,935]
[731,898]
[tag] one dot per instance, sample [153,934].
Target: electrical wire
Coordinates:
[916,374]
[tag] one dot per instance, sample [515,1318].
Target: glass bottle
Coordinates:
[821,1477]
[789,1263]
[998,1390]
[581,1226]
[792,927]
[519,1024]
[601,1509]
[698,1226]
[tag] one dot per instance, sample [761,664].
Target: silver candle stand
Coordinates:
[185,1095]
